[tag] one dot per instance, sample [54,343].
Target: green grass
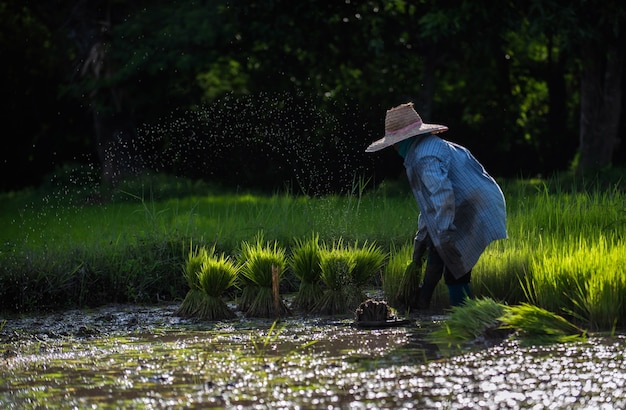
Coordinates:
[64,246]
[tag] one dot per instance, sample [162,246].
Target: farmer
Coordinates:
[462,208]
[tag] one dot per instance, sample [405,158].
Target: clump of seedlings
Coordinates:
[217,275]
[262,268]
[344,272]
[408,290]
[482,319]
[475,318]
[191,271]
[535,325]
[336,273]
[209,277]
[369,260]
[394,271]
[305,264]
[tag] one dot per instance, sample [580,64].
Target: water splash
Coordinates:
[263,140]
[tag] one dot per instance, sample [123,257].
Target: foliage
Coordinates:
[537,325]
[563,254]
[305,264]
[486,318]
[408,290]
[345,271]
[394,271]
[340,293]
[191,271]
[262,263]
[209,277]
[522,60]
[369,260]
[474,318]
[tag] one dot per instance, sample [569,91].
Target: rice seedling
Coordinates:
[408,290]
[584,278]
[535,325]
[191,271]
[554,257]
[502,270]
[305,264]
[263,265]
[341,294]
[394,272]
[217,275]
[598,298]
[476,318]
[369,260]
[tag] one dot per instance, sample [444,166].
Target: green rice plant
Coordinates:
[584,277]
[249,289]
[305,264]
[191,271]
[217,275]
[535,325]
[369,260]
[408,291]
[599,298]
[394,271]
[45,239]
[259,261]
[476,317]
[502,270]
[340,294]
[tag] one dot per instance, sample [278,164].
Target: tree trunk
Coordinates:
[113,128]
[600,106]
[424,104]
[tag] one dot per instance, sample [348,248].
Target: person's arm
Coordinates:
[439,192]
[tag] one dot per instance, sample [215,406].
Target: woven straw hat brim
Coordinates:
[392,138]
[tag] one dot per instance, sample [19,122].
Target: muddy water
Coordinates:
[145,357]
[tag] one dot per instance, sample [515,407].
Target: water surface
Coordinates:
[146,357]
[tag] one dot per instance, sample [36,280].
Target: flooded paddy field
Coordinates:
[146,357]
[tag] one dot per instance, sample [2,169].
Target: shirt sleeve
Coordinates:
[438,192]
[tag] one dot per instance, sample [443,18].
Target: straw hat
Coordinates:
[403,122]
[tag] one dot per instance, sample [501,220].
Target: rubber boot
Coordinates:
[458,292]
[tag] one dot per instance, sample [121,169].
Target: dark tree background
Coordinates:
[268,93]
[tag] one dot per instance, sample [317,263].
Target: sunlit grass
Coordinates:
[305,264]
[564,251]
[191,271]
[263,264]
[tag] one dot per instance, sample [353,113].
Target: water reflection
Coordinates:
[305,363]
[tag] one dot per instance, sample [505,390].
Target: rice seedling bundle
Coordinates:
[368,261]
[472,319]
[394,271]
[339,297]
[537,325]
[191,271]
[599,298]
[218,274]
[263,264]
[305,264]
[408,290]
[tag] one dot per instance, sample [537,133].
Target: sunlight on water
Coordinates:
[146,357]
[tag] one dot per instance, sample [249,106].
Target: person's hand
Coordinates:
[419,249]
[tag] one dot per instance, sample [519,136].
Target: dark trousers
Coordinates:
[435,269]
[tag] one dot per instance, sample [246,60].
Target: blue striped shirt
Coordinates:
[460,203]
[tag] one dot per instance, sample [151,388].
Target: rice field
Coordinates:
[565,251]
